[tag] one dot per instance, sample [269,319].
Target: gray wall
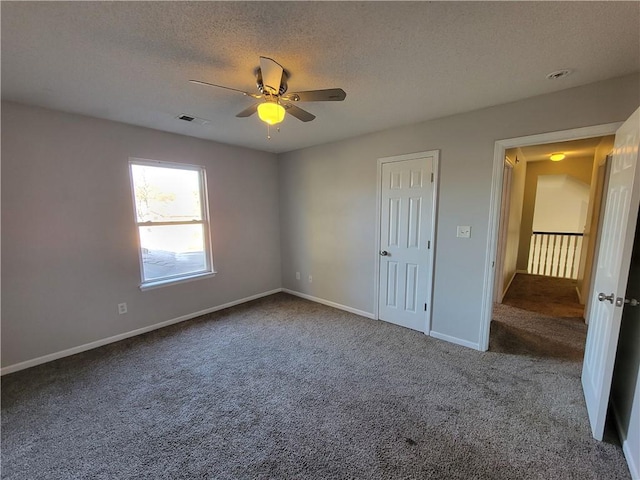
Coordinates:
[69,251]
[328,198]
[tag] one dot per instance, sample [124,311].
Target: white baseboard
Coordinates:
[105,341]
[329,303]
[632,463]
[456,340]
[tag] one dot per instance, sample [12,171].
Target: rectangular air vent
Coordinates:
[190,118]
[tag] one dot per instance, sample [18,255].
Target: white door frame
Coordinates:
[501,146]
[435,154]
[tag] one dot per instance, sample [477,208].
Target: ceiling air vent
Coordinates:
[558,74]
[192,119]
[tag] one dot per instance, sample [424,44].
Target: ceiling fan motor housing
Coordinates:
[283,83]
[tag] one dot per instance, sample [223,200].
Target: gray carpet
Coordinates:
[524,332]
[282,388]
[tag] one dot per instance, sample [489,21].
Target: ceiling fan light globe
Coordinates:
[271,113]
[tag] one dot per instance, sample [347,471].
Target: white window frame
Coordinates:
[209,269]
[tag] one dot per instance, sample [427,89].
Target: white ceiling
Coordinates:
[399,62]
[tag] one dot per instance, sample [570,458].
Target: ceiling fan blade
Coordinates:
[297,112]
[328,95]
[247,112]
[271,75]
[253,95]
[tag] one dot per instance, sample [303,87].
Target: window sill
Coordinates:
[173,281]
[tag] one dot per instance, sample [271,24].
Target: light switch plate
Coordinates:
[464,232]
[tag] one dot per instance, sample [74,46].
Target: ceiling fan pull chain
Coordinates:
[268,132]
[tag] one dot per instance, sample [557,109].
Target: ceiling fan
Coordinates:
[271,80]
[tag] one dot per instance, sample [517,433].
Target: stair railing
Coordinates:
[555,254]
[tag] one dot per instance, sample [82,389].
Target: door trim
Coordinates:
[435,154]
[501,146]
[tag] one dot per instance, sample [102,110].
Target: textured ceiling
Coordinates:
[399,62]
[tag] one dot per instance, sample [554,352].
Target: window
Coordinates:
[171,216]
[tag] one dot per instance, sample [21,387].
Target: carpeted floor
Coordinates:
[521,332]
[282,388]
[540,316]
[549,296]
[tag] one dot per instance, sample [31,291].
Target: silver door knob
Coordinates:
[602,297]
[384,253]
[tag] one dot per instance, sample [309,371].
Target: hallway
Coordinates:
[555,297]
[540,316]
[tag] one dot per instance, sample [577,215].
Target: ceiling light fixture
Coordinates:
[556,157]
[271,113]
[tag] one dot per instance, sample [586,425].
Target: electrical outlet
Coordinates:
[464,232]
[122,308]
[297,275]
[310,279]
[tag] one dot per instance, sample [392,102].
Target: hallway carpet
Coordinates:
[550,296]
[283,388]
[521,332]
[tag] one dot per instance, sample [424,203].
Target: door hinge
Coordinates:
[425,307]
[428,244]
[432,177]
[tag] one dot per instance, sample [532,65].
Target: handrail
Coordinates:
[571,234]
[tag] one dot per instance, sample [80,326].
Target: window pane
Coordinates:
[166,194]
[172,250]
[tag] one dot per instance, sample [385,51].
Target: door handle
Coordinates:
[602,297]
[384,253]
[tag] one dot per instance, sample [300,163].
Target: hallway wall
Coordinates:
[512,241]
[590,239]
[578,168]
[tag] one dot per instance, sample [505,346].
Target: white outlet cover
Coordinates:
[464,231]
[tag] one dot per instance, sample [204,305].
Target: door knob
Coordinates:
[384,253]
[632,302]
[602,297]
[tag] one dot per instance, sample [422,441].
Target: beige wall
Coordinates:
[69,246]
[590,238]
[512,241]
[578,168]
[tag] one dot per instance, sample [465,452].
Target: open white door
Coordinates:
[612,272]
